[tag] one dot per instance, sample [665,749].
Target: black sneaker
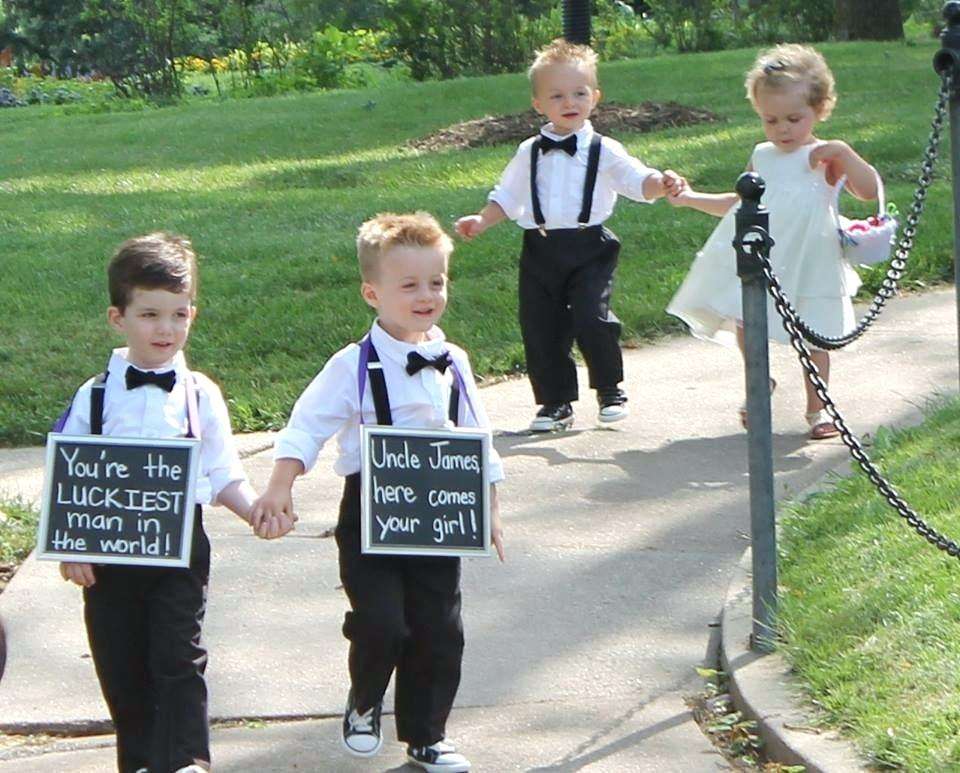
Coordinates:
[613,405]
[441,757]
[551,418]
[361,732]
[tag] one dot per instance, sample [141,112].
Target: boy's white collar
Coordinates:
[582,133]
[388,346]
[118,362]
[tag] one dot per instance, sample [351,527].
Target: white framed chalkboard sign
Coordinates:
[424,492]
[114,500]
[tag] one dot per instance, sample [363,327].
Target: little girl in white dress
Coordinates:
[791,88]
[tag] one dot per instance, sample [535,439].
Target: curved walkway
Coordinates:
[581,649]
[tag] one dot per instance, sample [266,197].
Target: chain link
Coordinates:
[759,250]
[898,263]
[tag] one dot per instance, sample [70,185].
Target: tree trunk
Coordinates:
[869,20]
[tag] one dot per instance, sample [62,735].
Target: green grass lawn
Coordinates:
[870,612]
[272,190]
[18,535]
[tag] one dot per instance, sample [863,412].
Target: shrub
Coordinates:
[9,99]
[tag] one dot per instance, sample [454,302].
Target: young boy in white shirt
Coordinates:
[144,623]
[560,187]
[405,610]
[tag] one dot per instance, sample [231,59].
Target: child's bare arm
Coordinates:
[474,225]
[716,204]
[496,527]
[238,497]
[840,159]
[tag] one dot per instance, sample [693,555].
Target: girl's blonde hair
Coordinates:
[562,51]
[787,64]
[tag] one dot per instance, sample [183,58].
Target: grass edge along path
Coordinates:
[870,612]
[18,536]
[272,190]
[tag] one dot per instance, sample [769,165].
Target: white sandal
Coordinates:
[743,408]
[821,425]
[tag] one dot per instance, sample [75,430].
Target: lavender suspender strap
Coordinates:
[366,346]
[461,385]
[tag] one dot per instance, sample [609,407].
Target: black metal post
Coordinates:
[753,223]
[947,60]
[576,21]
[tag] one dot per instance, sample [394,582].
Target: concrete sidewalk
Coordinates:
[582,647]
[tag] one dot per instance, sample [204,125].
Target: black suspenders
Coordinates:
[381,400]
[98,390]
[589,184]
[593,165]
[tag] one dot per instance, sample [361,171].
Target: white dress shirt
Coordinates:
[150,412]
[560,181]
[330,405]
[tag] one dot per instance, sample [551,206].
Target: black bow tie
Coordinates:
[568,144]
[137,378]
[417,362]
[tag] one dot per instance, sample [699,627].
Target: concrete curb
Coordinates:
[764,690]
[762,685]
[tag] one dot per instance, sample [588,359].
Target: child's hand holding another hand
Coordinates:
[469,226]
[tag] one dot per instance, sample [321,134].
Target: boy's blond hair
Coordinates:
[387,230]
[790,63]
[562,51]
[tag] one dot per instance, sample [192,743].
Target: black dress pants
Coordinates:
[143,624]
[566,279]
[405,617]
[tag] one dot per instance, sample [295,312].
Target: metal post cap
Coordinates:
[750,186]
[951,12]
[947,59]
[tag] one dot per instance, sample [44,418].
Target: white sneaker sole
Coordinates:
[362,755]
[460,767]
[549,425]
[610,419]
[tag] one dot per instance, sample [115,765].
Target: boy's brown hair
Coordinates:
[386,230]
[156,261]
[562,51]
[787,64]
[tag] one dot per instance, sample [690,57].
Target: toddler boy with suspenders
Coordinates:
[404,610]
[144,622]
[560,187]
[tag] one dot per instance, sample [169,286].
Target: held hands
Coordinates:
[674,187]
[272,514]
[78,573]
[469,226]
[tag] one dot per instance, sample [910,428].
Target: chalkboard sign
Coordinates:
[424,492]
[112,500]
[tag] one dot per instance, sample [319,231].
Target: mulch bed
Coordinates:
[610,118]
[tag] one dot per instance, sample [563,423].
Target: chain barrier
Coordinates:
[759,249]
[898,262]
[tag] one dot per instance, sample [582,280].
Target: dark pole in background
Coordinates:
[576,21]
[947,60]
[753,236]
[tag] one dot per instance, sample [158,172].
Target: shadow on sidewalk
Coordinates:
[675,466]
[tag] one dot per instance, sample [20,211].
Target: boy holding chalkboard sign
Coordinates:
[405,610]
[144,622]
